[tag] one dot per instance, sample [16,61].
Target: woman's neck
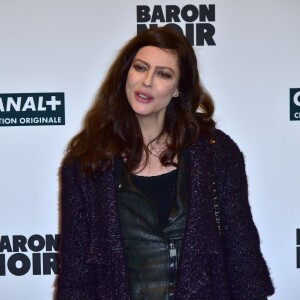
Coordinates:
[150,164]
[151,128]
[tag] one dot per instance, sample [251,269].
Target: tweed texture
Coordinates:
[229,266]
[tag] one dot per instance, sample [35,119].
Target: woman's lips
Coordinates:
[143,97]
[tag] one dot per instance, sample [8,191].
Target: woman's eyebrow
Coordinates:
[157,67]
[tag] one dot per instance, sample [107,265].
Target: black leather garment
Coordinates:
[152,253]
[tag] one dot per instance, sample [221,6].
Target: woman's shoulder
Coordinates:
[226,149]
[225,142]
[69,170]
[69,165]
[73,169]
[222,144]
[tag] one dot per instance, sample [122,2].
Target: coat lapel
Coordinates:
[202,242]
[202,233]
[106,246]
[106,250]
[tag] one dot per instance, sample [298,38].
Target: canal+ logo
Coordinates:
[32,109]
[295,104]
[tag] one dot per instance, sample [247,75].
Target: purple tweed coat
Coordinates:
[213,266]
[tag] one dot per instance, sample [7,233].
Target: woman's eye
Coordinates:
[139,68]
[164,74]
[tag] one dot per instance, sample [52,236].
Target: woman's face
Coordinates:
[152,82]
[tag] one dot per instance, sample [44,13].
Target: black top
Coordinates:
[161,190]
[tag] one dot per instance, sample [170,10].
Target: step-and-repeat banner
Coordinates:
[54,55]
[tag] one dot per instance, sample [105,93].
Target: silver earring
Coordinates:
[176,94]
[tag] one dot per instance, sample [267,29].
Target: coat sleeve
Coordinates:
[248,273]
[76,279]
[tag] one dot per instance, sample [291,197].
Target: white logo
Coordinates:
[32,109]
[297,98]
[29,104]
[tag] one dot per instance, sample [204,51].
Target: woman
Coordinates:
[154,198]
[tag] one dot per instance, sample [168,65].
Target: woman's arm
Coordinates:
[247,271]
[75,280]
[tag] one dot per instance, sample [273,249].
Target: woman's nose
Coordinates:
[148,79]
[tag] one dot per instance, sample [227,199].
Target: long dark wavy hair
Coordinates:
[111,128]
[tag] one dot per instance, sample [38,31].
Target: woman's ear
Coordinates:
[176,93]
